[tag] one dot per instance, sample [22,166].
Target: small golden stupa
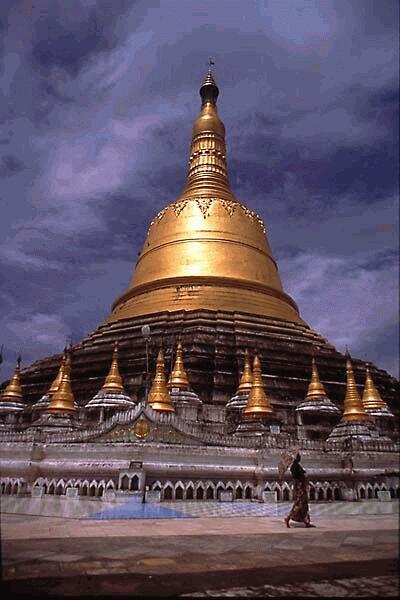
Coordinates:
[43,403]
[113,382]
[258,404]
[316,389]
[62,400]
[316,414]
[353,407]
[178,377]
[13,392]
[112,395]
[11,400]
[371,399]
[246,380]
[159,398]
[57,380]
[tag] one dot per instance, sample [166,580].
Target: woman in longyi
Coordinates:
[299,511]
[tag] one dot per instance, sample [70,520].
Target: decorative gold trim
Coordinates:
[205,205]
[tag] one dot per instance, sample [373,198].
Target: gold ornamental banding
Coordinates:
[206,250]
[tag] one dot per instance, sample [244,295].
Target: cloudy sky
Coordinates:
[97,100]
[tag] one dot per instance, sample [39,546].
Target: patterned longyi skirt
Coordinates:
[299,510]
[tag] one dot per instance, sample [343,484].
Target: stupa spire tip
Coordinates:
[159,398]
[316,389]
[258,404]
[113,382]
[209,90]
[178,377]
[246,380]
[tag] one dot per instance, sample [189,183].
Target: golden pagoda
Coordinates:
[371,398]
[57,380]
[353,407]
[43,403]
[159,398]
[206,250]
[62,400]
[237,403]
[11,399]
[206,274]
[315,388]
[13,391]
[178,377]
[246,380]
[258,404]
[112,394]
[113,381]
[316,414]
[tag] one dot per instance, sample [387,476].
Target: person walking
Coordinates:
[299,511]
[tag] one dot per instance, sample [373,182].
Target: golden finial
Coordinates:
[371,397]
[315,388]
[257,404]
[56,383]
[178,377]
[353,409]
[209,90]
[246,381]
[113,381]
[14,390]
[62,400]
[159,398]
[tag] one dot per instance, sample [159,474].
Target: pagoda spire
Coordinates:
[112,395]
[57,380]
[246,380]
[62,400]
[159,398]
[353,406]
[208,169]
[371,398]
[113,381]
[13,391]
[315,389]
[178,377]
[209,91]
[257,404]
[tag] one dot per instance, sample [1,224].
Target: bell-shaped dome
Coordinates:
[206,250]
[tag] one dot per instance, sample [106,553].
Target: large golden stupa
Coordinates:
[181,414]
[206,249]
[206,277]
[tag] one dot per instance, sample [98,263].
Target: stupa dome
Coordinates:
[206,250]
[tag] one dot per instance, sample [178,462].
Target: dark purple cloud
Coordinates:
[96,107]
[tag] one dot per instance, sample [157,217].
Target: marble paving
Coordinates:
[124,509]
[196,509]
[246,509]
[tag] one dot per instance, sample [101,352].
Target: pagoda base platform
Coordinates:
[56,423]
[214,344]
[357,435]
